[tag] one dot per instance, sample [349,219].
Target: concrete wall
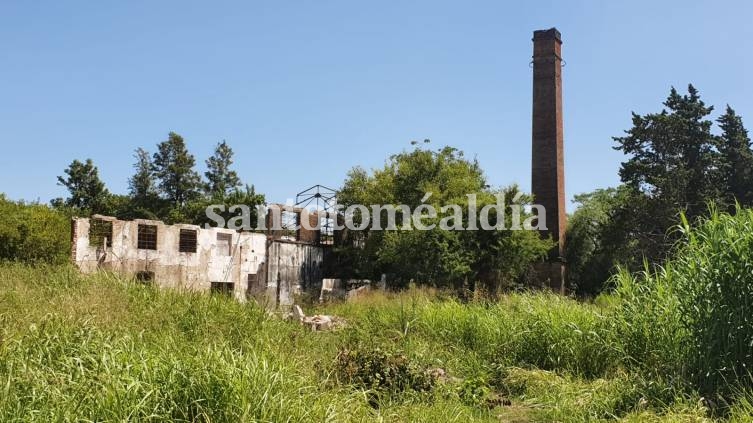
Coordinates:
[293,266]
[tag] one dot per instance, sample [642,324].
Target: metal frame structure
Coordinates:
[323,199]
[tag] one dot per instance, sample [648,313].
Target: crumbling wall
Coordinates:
[166,265]
[292,268]
[257,265]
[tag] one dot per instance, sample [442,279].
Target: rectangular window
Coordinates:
[251,282]
[224,244]
[224,288]
[187,242]
[100,233]
[147,237]
[145,277]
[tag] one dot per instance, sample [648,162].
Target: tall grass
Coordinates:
[541,330]
[675,333]
[102,348]
[76,348]
[692,319]
[561,359]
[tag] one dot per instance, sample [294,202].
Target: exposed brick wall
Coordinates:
[548,173]
[273,219]
[74,239]
[311,236]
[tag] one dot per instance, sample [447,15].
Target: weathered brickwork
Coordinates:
[548,167]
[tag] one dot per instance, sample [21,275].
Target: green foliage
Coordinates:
[501,257]
[438,257]
[543,330]
[648,324]
[673,156]
[675,165]
[33,233]
[195,211]
[104,348]
[737,166]
[173,168]
[552,358]
[474,390]
[695,311]
[86,190]
[622,397]
[596,240]
[164,187]
[142,186]
[376,369]
[221,179]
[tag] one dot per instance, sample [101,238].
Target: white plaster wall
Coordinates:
[172,268]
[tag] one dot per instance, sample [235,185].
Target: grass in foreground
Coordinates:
[102,348]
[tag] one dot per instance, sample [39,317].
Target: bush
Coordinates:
[33,233]
[597,240]
[377,369]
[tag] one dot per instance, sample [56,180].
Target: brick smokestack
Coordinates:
[548,173]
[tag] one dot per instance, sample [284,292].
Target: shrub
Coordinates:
[32,232]
[377,369]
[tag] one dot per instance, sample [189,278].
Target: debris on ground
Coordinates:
[318,322]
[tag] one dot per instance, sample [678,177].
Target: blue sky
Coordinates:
[303,91]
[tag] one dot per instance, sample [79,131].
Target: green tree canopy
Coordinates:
[173,167]
[737,157]
[438,257]
[86,191]
[674,158]
[597,240]
[675,164]
[142,185]
[221,179]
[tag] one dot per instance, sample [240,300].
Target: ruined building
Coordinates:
[269,266]
[273,265]
[548,163]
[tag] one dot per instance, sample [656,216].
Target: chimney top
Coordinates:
[547,34]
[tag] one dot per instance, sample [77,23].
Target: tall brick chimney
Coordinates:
[548,174]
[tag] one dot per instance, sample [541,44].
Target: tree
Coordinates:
[195,211]
[597,239]
[87,191]
[437,257]
[142,185]
[221,180]
[737,158]
[674,157]
[173,167]
[674,166]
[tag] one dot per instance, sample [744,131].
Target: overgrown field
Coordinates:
[667,346]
